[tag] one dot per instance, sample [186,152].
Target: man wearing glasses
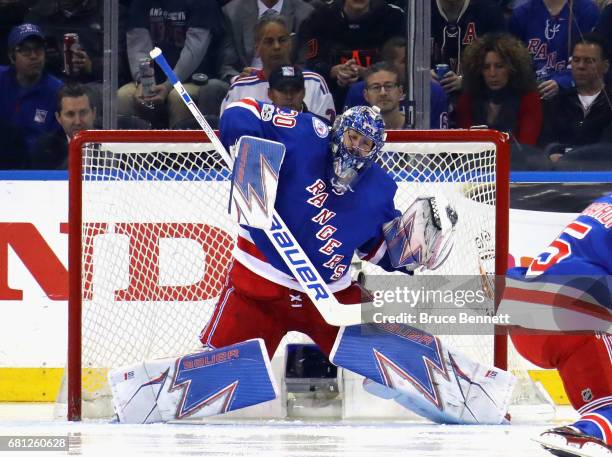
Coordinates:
[382,89]
[27,93]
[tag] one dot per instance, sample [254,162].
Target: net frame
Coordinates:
[75,251]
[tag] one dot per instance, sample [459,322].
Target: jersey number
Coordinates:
[285,118]
[558,249]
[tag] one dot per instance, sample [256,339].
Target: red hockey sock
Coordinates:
[583,361]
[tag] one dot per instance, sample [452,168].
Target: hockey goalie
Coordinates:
[336,201]
[567,291]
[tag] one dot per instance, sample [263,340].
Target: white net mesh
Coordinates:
[157,239]
[465,174]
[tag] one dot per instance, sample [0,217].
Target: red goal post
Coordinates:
[133,190]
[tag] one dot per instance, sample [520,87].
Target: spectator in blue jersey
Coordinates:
[341,40]
[189,32]
[500,89]
[543,26]
[454,25]
[580,115]
[394,53]
[28,95]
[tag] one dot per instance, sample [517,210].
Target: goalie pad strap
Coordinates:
[194,385]
[430,379]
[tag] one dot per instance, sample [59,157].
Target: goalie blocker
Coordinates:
[399,362]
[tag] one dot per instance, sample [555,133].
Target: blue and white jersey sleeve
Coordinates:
[569,285]
[240,118]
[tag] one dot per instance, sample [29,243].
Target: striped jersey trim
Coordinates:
[248,103]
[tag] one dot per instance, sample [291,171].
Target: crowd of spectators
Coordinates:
[536,69]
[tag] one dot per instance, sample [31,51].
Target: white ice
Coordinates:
[274,438]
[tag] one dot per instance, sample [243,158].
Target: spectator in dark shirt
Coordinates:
[394,53]
[189,33]
[11,12]
[28,95]
[454,25]
[580,115]
[604,28]
[500,88]
[75,113]
[340,41]
[13,154]
[83,17]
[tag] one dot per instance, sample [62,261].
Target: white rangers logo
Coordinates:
[40,116]
[320,127]
[551,29]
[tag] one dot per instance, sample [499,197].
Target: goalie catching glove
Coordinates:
[423,236]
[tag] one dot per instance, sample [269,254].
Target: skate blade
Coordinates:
[561,448]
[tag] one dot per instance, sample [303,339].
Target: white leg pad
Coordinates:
[193,386]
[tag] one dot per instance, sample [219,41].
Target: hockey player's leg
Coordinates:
[193,386]
[589,436]
[245,311]
[428,378]
[233,370]
[585,367]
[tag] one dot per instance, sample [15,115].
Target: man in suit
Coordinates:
[241,18]
[273,44]
[238,56]
[75,113]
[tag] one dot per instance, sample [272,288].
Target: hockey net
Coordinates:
[151,238]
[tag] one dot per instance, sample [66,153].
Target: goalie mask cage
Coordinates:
[150,238]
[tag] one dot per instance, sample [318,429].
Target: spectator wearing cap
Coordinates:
[28,95]
[287,88]
[274,47]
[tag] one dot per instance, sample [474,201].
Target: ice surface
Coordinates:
[277,438]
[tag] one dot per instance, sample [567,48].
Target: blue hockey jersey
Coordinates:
[568,286]
[546,36]
[329,227]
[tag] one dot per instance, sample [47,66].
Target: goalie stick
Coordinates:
[279,235]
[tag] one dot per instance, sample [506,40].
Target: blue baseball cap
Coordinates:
[20,32]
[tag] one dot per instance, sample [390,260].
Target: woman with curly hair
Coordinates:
[500,88]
